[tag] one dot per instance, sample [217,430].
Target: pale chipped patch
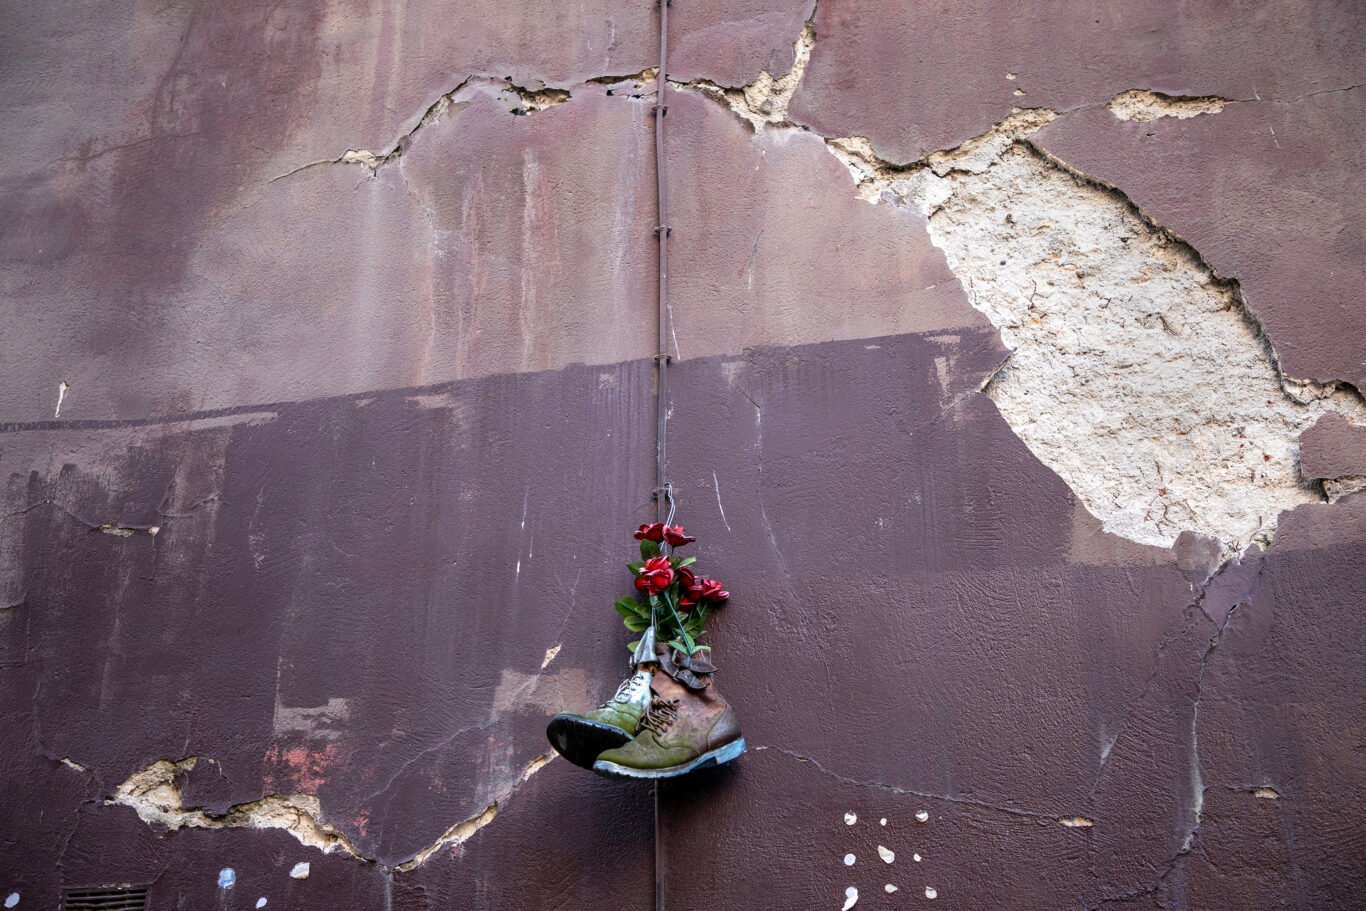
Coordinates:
[1143,106]
[154,795]
[1077,822]
[1266,793]
[765,101]
[550,654]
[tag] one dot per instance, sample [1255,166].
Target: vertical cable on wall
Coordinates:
[662,231]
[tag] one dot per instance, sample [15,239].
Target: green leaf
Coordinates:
[687,561]
[634,621]
[628,603]
[635,568]
[680,646]
[632,646]
[648,549]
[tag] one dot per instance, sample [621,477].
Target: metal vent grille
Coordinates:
[128,899]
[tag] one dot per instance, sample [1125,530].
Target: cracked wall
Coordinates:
[1136,373]
[1014,395]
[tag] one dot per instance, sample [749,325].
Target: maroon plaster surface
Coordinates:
[327,609]
[1268,193]
[1333,448]
[920,623]
[917,77]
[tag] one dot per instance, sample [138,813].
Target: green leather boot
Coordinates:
[581,738]
[686,728]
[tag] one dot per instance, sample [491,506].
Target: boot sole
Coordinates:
[581,741]
[718,756]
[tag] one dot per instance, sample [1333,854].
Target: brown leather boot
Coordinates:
[687,727]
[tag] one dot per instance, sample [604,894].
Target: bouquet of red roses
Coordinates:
[677,601]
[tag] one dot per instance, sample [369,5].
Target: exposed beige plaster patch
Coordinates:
[1137,374]
[1143,106]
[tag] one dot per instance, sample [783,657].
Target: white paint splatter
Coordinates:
[850,898]
[13,898]
[261,902]
[227,878]
[882,821]
[930,892]
[300,870]
[887,854]
[850,818]
[915,857]
[889,888]
[922,815]
[62,387]
[849,860]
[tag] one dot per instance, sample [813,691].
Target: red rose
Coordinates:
[655,576]
[711,590]
[652,532]
[674,535]
[689,593]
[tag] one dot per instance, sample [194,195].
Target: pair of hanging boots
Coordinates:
[665,720]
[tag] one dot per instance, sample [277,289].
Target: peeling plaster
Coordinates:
[1137,374]
[154,795]
[765,101]
[1142,106]
[463,831]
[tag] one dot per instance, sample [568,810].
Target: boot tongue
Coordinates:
[666,687]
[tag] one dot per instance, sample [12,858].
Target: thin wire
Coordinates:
[662,362]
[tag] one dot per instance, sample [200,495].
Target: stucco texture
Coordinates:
[327,407]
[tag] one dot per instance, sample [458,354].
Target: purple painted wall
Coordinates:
[326,410]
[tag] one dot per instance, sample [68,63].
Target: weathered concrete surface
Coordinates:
[317,488]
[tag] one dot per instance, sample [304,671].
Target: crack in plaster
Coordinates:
[765,101]
[153,794]
[463,831]
[524,101]
[897,789]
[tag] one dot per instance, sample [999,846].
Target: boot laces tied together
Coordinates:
[660,716]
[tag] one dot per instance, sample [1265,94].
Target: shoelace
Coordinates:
[661,714]
[629,688]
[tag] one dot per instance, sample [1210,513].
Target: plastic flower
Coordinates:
[674,535]
[652,532]
[655,576]
[711,590]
